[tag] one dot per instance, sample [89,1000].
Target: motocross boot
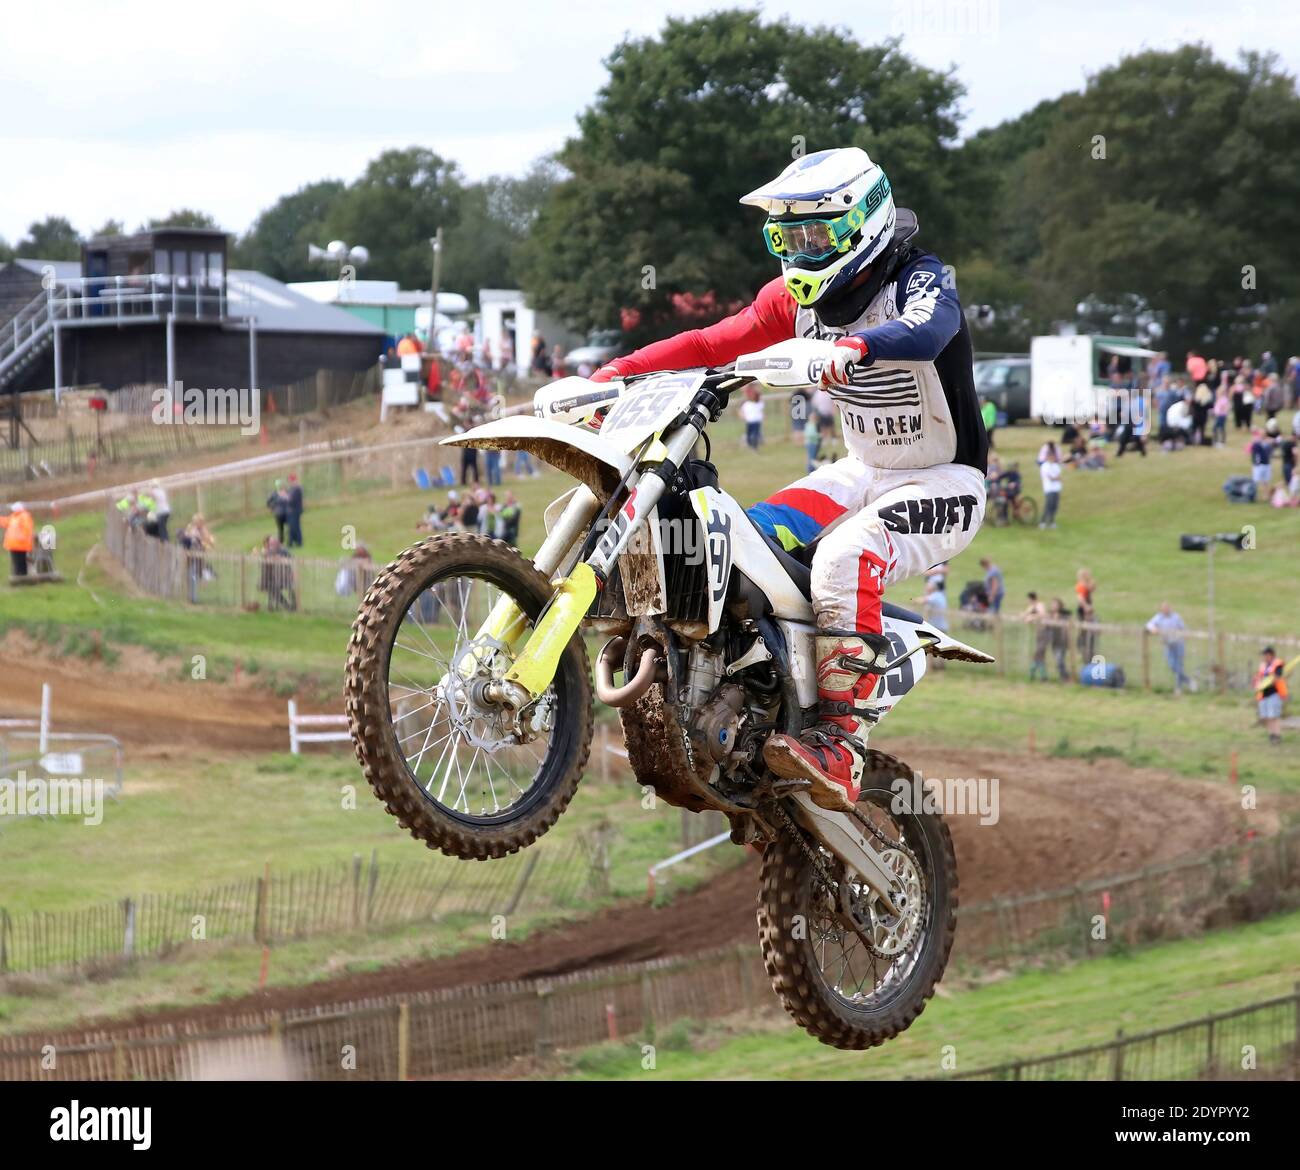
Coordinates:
[832,753]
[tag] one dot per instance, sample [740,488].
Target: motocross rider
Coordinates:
[910,491]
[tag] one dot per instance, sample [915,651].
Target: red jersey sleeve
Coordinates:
[767,320]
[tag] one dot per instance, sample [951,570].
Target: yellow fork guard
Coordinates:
[536,665]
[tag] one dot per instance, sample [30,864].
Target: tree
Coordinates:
[1173,179]
[53,238]
[110,227]
[395,208]
[495,217]
[277,242]
[690,120]
[184,217]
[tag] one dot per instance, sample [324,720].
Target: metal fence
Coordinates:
[1261,1041]
[279,906]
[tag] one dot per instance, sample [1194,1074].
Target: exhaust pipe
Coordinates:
[609,660]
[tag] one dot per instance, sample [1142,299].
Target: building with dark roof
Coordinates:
[161,307]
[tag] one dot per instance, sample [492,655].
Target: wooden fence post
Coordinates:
[543,1045]
[1146,659]
[403,1040]
[648,1006]
[1117,1064]
[128,930]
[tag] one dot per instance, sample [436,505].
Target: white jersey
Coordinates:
[912,403]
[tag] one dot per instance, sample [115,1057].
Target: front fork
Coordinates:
[538,658]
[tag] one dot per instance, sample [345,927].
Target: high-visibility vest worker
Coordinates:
[18,526]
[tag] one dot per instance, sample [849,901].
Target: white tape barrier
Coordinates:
[298,738]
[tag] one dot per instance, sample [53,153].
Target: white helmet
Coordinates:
[830,214]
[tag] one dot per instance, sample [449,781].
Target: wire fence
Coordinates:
[1174,899]
[461,1030]
[1114,655]
[1258,1041]
[274,581]
[279,906]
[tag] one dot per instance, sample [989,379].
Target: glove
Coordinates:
[843,356]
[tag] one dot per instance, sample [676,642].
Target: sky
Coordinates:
[131,109]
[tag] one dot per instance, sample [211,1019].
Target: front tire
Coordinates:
[825,976]
[404,659]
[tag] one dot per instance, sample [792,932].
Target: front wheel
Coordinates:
[856,988]
[460,773]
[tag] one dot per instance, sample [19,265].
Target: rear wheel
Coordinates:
[848,990]
[462,774]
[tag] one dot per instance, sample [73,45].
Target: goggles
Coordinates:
[816,239]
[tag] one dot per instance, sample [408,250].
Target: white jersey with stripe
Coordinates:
[912,403]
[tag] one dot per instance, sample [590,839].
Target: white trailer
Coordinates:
[1069,375]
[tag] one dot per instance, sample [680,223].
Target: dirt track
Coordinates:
[1061,821]
[158,717]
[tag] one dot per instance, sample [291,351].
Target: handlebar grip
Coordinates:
[520,408]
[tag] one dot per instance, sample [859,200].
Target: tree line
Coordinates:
[1160,196]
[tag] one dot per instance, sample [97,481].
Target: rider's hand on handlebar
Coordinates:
[844,355]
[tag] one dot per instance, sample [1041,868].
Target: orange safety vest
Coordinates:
[18,531]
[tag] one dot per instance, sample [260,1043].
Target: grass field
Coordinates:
[1033,1013]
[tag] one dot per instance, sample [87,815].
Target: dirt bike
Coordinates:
[470,705]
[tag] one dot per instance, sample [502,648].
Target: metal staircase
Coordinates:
[83,302]
[27,336]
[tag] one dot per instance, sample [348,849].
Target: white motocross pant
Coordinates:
[874,527]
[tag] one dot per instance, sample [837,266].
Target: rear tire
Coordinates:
[379,748]
[790,897]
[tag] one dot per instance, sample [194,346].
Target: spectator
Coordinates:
[1084,589]
[1271,398]
[989,413]
[277,579]
[468,465]
[994,586]
[1058,621]
[293,513]
[800,405]
[508,517]
[751,413]
[812,445]
[1035,614]
[492,461]
[19,537]
[1261,456]
[1196,366]
[468,517]
[1202,402]
[1242,404]
[1169,625]
[524,464]
[356,573]
[1271,692]
[1050,471]
[162,509]
[408,345]
[541,362]
[934,603]
[1286,448]
[1222,405]
[278,505]
[557,362]
[196,538]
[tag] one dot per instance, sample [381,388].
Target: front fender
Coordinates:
[574,450]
